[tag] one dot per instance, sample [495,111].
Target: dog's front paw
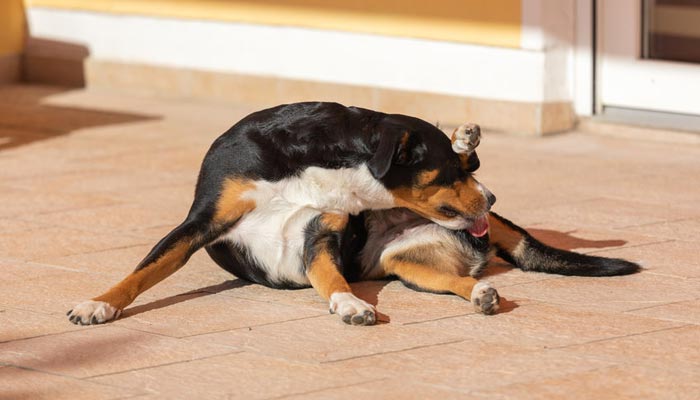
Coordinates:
[466,138]
[352,310]
[92,313]
[485,298]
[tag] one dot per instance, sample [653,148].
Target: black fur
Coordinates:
[537,256]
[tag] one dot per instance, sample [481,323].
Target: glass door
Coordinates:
[649,55]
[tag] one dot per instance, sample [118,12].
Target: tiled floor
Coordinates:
[90,180]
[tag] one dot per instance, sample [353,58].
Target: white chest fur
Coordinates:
[274,232]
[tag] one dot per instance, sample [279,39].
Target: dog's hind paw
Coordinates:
[92,313]
[485,298]
[466,138]
[352,310]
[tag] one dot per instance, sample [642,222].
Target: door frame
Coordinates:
[622,79]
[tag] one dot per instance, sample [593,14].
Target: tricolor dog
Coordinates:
[318,194]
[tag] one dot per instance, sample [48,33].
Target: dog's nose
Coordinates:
[490,197]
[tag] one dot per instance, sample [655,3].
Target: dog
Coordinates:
[319,194]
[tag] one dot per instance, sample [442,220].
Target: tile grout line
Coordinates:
[324,389]
[685,325]
[394,351]
[101,326]
[657,305]
[251,326]
[90,378]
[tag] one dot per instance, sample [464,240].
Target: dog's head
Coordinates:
[431,175]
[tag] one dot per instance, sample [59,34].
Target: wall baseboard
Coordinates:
[527,118]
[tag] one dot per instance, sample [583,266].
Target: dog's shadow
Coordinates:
[179,298]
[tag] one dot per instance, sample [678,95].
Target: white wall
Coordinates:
[299,53]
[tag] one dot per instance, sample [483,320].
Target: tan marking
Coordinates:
[404,138]
[463,196]
[464,161]
[505,237]
[123,293]
[324,276]
[426,177]
[230,206]
[429,278]
[335,222]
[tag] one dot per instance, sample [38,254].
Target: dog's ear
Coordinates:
[396,148]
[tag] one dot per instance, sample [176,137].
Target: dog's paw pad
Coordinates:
[92,313]
[466,138]
[352,310]
[485,298]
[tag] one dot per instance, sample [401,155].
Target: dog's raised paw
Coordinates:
[466,138]
[485,298]
[352,311]
[92,313]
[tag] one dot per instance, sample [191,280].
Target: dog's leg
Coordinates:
[322,263]
[424,277]
[169,255]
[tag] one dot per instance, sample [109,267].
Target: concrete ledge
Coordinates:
[54,62]
[509,116]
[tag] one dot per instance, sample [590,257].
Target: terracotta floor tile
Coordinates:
[22,384]
[608,213]
[123,219]
[684,229]
[101,182]
[236,376]
[502,274]
[472,365]
[22,324]
[11,226]
[56,242]
[383,389]
[54,290]
[327,338]
[616,382]
[98,350]
[81,205]
[609,293]
[202,312]
[587,240]
[15,203]
[683,311]
[673,257]
[676,347]
[199,272]
[546,325]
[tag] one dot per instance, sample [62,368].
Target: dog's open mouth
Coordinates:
[479,226]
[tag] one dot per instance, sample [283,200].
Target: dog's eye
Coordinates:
[448,211]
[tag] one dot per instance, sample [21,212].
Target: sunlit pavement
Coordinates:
[90,180]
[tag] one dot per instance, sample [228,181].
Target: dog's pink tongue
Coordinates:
[480,227]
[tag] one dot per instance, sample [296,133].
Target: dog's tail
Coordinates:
[516,246]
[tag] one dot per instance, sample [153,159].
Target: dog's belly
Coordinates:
[269,243]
